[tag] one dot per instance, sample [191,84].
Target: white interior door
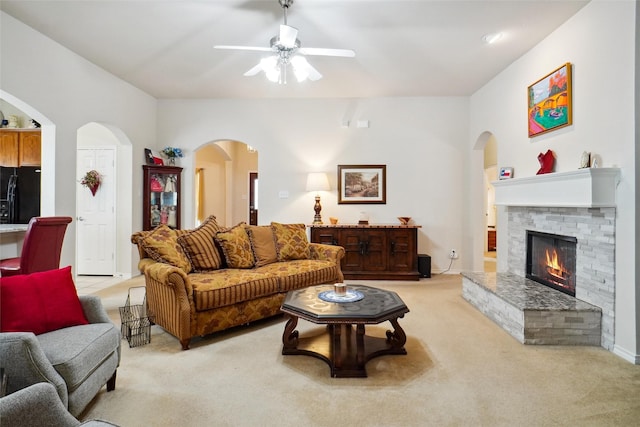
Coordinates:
[96,224]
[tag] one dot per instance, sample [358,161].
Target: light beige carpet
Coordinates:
[461,369]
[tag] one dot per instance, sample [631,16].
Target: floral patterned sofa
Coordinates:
[209,279]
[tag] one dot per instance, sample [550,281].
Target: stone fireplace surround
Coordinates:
[580,204]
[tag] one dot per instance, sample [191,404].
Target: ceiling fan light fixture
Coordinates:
[273,75]
[286,50]
[271,68]
[300,68]
[301,75]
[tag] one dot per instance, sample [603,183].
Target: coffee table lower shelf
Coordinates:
[344,348]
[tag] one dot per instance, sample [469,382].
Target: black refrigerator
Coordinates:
[19,194]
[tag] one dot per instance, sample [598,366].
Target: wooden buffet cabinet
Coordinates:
[384,252]
[20,147]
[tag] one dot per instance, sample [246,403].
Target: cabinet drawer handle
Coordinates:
[393,248]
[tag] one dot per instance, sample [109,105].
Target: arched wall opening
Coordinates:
[221,180]
[491,213]
[48,153]
[103,135]
[485,214]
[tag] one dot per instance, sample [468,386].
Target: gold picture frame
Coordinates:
[362,184]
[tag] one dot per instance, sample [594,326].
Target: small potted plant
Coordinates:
[92,180]
[172,153]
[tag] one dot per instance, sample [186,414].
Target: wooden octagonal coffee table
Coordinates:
[345,351]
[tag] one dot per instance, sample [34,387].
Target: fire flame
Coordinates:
[554,267]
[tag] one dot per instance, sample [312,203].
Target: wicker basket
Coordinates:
[136,321]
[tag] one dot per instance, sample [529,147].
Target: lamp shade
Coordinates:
[317,181]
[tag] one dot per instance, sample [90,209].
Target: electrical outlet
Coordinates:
[453,254]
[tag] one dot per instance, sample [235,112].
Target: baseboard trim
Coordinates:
[437,272]
[626,355]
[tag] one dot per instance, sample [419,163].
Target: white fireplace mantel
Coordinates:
[589,187]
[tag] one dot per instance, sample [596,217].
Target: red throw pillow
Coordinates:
[39,302]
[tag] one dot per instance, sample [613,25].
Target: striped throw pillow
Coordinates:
[200,248]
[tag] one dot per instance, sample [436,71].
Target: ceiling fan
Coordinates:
[286,50]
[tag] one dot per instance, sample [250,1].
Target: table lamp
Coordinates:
[317,181]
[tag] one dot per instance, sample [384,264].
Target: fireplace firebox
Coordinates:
[551,260]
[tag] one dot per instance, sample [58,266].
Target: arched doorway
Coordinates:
[224,170]
[104,221]
[48,153]
[490,175]
[484,220]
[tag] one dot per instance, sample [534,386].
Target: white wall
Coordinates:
[599,42]
[421,140]
[70,91]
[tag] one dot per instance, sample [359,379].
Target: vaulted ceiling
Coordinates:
[403,47]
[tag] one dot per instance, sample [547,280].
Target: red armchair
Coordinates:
[41,247]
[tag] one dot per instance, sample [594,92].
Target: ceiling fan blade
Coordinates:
[255,70]
[288,36]
[346,53]
[252,48]
[314,74]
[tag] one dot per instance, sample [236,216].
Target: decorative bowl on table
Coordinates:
[349,295]
[404,220]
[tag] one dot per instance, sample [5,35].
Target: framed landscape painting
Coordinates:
[550,102]
[362,184]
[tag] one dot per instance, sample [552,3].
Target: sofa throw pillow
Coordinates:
[40,302]
[199,246]
[162,246]
[263,244]
[291,241]
[236,247]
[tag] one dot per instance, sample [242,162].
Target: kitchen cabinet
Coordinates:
[161,196]
[8,148]
[20,147]
[29,148]
[384,252]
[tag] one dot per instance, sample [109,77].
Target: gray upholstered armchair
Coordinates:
[39,405]
[77,360]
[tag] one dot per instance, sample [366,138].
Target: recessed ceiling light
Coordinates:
[491,38]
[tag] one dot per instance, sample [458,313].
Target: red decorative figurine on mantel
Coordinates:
[547,160]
